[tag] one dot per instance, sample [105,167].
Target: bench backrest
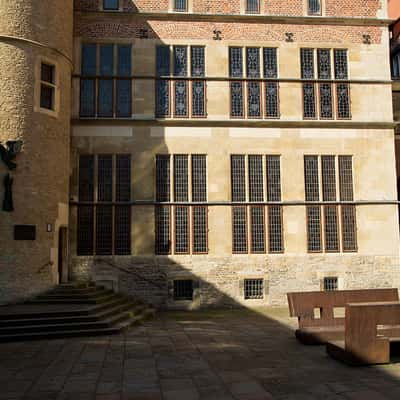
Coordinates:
[303,304]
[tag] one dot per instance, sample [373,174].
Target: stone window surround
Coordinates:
[265,287]
[171,7]
[38,82]
[323,9]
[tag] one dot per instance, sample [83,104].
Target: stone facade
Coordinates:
[358,26]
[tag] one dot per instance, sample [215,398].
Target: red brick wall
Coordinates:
[394,9]
[92,28]
[338,8]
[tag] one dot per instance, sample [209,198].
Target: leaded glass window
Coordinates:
[236,62]
[104,230]
[238,178]
[107,60]
[198,98]
[254,99]
[314,239]
[252,6]
[324,64]
[274,178]
[270,62]
[200,229]
[275,229]
[122,234]
[86,178]
[307,63]
[181,230]
[163,180]
[162,98]
[311,178]
[163,232]
[237,99]
[180,61]
[349,228]
[343,100]
[309,110]
[181,99]
[199,178]
[331,229]
[105,98]
[197,61]
[328,178]
[239,229]
[257,223]
[346,178]
[325,101]
[124,98]
[256,178]
[163,60]
[271,100]
[89,59]
[105,178]
[253,62]
[341,67]
[180,5]
[124,58]
[181,185]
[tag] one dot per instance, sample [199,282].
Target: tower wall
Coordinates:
[31,33]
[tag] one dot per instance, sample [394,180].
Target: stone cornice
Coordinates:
[246,18]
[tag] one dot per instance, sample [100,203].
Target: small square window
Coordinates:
[183,290]
[330,284]
[253,289]
[314,7]
[110,4]
[252,6]
[180,5]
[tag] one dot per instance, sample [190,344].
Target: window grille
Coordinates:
[346,178]
[181,95]
[349,229]
[328,178]
[122,234]
[163,60]
[183,290]
[162,98]
[270,62]
[200,229]
[254,99]
[180,61]
[343,101]
[86,178]
[104,230]
[307,63]
[253,62]
[163,184]
[239,229]
[275,230]
[324,63]
[180,5]
[47,86]
[341,64]
[199,178]
[105,177]
[325,101]
[237,99]
[256,178]
[274,178]
[85,230]
[181,192]
[331,283]
[110,4]
[314,240]
[123,177]
[331,229]
[252,6]
[236,62]
[257,229]
[314,7]
[271,100]
[181,230]
[198,99]
[311,178]
[238,178]
[163,233]
[253,289]
[197,61]
[309,109]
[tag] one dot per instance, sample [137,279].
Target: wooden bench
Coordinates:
[364,343]
[329,327]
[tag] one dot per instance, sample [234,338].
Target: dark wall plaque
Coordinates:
[24,232]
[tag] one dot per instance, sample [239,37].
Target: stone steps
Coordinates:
[71,311]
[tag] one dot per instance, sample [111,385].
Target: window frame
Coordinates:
[107,9]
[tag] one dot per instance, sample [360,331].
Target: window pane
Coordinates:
[346,178]
[104,220]
[110,4]
[199,178]
[257,229]
[86,178]
[328,178]
[343,100]
[314,7]
[162,98]
[163,232]
[181,179]
[107,60]
[198,99]
[122,234]
[307,63]
[239,229]
[254,99]
[47,73]
[46,97]
[324,64]
[124,98]
[238,178]
[341,68]
[270,62]
[253,62]
[123,177]
[275,229]
[274,178]
[105,100]
[181,103]
[85,226]
[256,178]
[87,107]
[124,60]
[309,110]
[349,229]
[163,185]
[325,100]
[89,59]
[198,61]
[252,6]
[235,62]
[271,100]
[180,5]
[163,60]
[236,99]
[180,61]
[314,228]
[200,230]
[331,229]
[105,178]
[182,230]
[311,178]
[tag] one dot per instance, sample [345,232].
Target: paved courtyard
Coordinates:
[219,355]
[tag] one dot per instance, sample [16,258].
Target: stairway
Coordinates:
[71,310]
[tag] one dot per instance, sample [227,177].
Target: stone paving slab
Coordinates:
[209,355]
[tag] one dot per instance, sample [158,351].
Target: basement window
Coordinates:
[183,290]
[330,284]
[253,289]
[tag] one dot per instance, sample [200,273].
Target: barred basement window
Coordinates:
[238,178]
[163,184]
[328,178]
[163,232]
[110,4]
[181,230]
[314,7]
[183,290]
[331,283]
[325,99]
[257,223]
[314,239]
[324,64]
[256,178]
[235,62]
[254,99]
[199,178]
[309,110]
[47,87]
[252,6]
[341,64]
[180,5]
[239,229]
[181,189]
[237,100]
[343,101]
[253,289]
[200,228]
[307,63]
[253,62]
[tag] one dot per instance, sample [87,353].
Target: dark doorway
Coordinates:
[63,255]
